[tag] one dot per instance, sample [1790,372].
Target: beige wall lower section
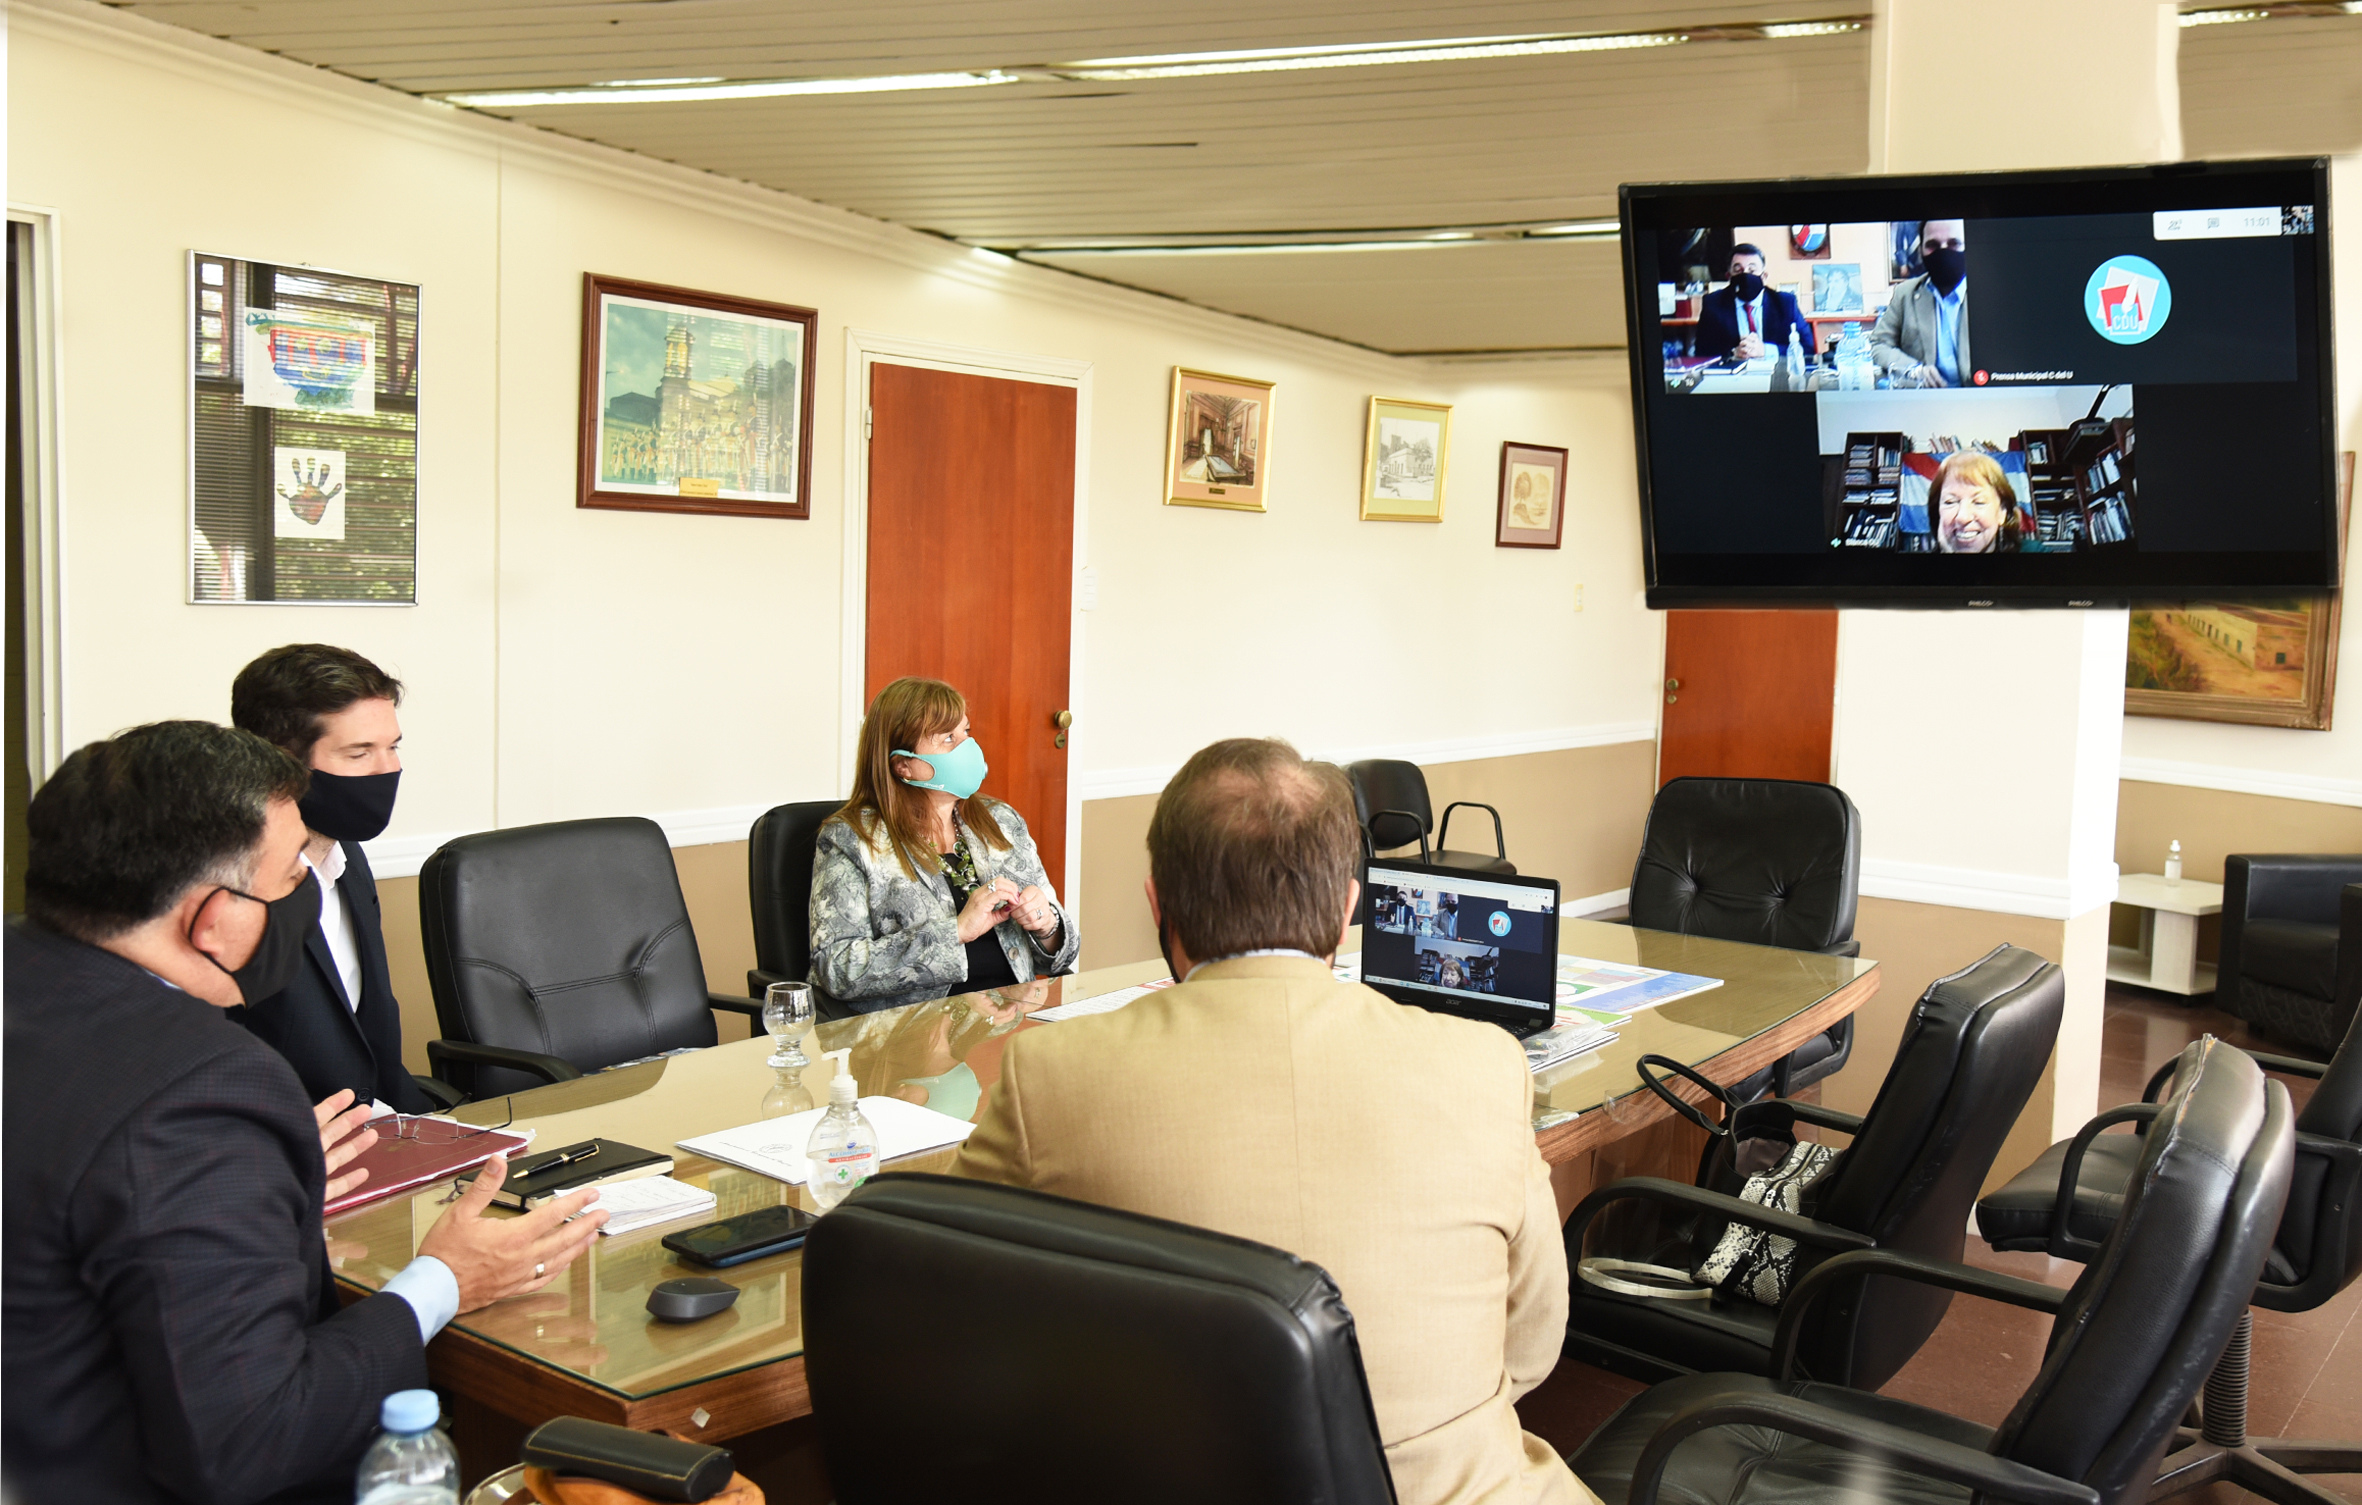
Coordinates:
[1914,944]
[1573,815]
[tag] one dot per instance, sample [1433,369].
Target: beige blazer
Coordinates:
[1905,334]
[1391,1146]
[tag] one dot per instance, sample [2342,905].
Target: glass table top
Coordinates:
[592,1322]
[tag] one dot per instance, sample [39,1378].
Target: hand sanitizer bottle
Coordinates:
[1795,360]
[2173,863]
[844,1148]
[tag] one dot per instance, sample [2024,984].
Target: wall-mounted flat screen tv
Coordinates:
[2034,388]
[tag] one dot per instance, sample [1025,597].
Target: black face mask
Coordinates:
[1945,267]
[280,949]
[1747,285]
[349,806]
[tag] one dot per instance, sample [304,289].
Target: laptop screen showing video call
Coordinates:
[1464,939]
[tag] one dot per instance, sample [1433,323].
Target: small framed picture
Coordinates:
[1218,448]
[1533,497]
[694,402]
[1403,461]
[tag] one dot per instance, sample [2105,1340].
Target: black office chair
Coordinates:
[1771,862]
[2291,956]
[1188,1366]
[1390,798]
[2316,1253]
[2130,1345]
[560,949]
[1975,1046]
[779,890]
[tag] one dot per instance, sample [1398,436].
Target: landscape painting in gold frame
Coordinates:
[1403,462]
[2259,663]
[1218,444]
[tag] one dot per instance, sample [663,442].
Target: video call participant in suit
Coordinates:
[171,1331]
[1921,337]
[337,1022]
[1264,1099]
[921,886]
[1744,318]
[1972,506]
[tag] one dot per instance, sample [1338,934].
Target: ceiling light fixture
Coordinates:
[669,92]
[1158,66]
[2280,10]
[1266,242]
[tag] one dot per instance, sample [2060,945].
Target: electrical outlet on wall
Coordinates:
[1086,588]
[1578,596]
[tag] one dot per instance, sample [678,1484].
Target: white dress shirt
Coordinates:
[336,924]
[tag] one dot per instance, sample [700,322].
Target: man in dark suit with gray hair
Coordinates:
[171,1329]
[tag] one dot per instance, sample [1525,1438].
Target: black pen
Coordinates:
[566,1158]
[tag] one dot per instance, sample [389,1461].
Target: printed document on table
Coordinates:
[1105,1003]
[1622,987]
[775,1147]
[631,1205]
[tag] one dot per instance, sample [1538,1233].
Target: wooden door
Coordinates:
[971,567]
[1748,694]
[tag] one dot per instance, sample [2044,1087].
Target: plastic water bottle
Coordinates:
[2173,863]
[1853,360]
[410,1463]
[844,1148]
[1795,360]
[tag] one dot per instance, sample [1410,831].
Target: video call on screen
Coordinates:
[2125,384]
[1452,940]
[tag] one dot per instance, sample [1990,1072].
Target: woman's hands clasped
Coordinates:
[986,907]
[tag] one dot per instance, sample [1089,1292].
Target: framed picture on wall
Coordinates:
[303,435]
[1218,444]
[1532,513]
[694,402]
[1404,459]
[2260,663]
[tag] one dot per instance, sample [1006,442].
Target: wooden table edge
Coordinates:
[1563,1142]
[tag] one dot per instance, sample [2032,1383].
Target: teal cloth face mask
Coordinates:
[958,773]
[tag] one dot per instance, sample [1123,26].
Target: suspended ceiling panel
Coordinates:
[2277,88]
[1532,295]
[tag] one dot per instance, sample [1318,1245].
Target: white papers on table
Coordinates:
[1563,1041]
[1621,987]
[1105,1003]
[1348,966]
[775,1146]
[650,1199]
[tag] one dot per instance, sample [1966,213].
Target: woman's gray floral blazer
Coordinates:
[881,938]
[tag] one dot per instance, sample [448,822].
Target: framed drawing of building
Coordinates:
[694,402]
[1218,445]
[1404,458]
[2261,663]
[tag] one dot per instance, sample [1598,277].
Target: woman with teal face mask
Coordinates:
[922,886]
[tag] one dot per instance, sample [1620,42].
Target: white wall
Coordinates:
[2326,765]
[566,663]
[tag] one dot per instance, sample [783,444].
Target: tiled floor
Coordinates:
[2307,1366]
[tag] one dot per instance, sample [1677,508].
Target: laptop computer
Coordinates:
[1479,945]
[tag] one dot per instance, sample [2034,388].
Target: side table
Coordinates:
[2167,957]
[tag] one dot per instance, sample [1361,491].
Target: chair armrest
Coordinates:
[1843,948]
[2063,1242]
[2298,886]
[548,1068]
[1371,830]
[1500,848]
[1914,1452]
[1788,1225]
[1934,1272]
[1827,1118]
[732,1003]
[2329,1259]
[2349,947]
[442,1094]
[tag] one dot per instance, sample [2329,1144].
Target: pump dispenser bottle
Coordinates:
[844,1148]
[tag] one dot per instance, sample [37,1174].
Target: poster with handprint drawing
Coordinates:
[307,493]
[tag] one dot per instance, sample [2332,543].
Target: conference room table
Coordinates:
[586,1345]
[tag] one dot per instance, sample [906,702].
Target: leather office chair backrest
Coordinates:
[2333,1112]
[571,939]
[1382,785]
[2147,1319]
[1187,1366]
[1772,862]
[779,889]
[1974,1048]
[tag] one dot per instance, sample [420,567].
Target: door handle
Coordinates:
[1062,721]
[1670,686]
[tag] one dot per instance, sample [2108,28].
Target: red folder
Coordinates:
[415,1152]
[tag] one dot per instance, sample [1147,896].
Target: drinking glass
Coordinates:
[787,1016]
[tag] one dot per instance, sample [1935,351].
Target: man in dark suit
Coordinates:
[1746,319]
[170,1330]
[337,1022]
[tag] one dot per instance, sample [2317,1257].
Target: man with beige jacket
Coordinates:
[1264,1099]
